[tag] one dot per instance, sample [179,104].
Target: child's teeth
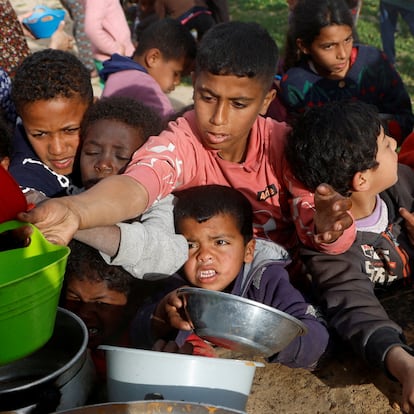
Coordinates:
[207,273]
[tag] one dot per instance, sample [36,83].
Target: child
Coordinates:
[112,129]
[165,50]
[217,223]
[324,65]
[51,92]
[224,140]
[107,29]
[104,297]
[344,145]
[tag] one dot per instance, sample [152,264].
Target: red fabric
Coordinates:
[201,347]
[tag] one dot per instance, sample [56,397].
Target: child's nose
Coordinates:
[341,52]
[219,116]
[204,255]
[56,145]
[104,166]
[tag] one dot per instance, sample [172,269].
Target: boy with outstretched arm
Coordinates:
[224,140]
[344,145]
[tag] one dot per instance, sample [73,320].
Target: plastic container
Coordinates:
[44,21]
[12,200]
[135,374]
[30,283]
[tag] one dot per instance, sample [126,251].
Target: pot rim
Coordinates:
[65,373]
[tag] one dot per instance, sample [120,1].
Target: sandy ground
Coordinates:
[344,385]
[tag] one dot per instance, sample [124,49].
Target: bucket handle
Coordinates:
[13,224]
[37,239]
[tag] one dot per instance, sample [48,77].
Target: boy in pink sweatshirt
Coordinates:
[224,140]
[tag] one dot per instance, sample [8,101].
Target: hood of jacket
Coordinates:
[118,63]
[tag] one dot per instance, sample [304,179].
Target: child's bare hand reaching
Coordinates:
[331,215]
[409,223]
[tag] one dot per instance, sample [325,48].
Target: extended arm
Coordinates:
[112,200]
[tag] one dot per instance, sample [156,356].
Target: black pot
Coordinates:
[38,382]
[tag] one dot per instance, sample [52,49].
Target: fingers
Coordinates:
[406,215]
[32,216]
[176,319]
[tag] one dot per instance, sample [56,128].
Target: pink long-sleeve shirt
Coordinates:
[107,29]
[177,159]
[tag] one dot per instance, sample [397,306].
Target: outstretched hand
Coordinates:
[331,215]
[54,219]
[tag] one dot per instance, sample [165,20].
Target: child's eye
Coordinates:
[239,105]
[39,134]
[123,158]
[207,98]
[72,131]
[349,39]
[221,242]
[191,245]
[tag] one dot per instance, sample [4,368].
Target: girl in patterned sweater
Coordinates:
[322,64]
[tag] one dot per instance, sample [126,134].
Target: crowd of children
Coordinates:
[309,210]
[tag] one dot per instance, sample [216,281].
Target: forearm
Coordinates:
[105,239]
[112,200]
[399,363]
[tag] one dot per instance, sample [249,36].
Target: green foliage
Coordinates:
[272,14]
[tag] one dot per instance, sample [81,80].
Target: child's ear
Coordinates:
[267,101]
[360,182]
[152,57]
[5,162]
[249,251]
[300,45]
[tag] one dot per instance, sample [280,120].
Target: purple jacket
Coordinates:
[125,77]
[265,280]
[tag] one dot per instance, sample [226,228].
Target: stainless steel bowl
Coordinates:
[152,407]
[239,324]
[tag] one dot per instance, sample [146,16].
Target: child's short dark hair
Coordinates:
[115,277]
[49,74]
[240,49]
[168,35]
[307,20]
[206,201]
[331,143]
[126,110]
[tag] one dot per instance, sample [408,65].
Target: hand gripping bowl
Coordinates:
[44,21]
[239,324]
[30,283]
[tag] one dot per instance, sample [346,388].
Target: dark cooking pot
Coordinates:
[47,379]
[152,407]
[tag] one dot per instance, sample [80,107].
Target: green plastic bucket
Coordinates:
[30,283]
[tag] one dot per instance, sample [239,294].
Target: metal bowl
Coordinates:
[152,407]
[239,324]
